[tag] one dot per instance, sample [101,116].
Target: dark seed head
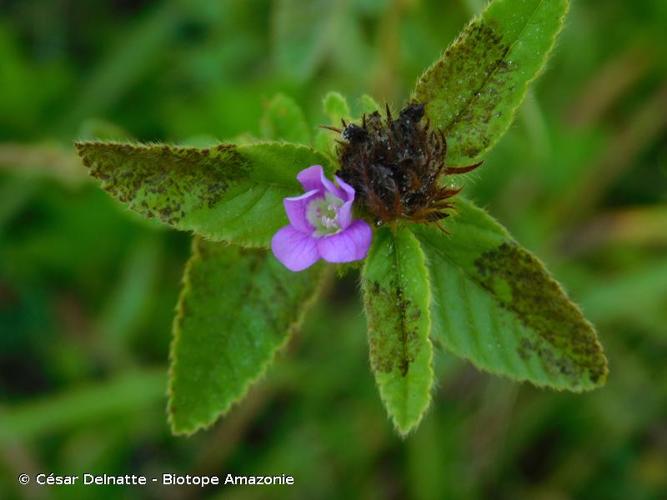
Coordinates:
[354,133]
[412,113]
[396,166]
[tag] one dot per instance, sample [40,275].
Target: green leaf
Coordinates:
[284,120]
[368,105]
[495,304]
[396,299]
[224,193]
[472,92]
[236,309]
[336,109]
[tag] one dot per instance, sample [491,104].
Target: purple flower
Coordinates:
[320,224]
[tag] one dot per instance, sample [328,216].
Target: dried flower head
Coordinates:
[397,166]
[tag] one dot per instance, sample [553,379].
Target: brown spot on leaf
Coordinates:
[393,335]
[163,181]
[475,69]
[565,342]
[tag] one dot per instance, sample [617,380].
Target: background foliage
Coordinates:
[87,290]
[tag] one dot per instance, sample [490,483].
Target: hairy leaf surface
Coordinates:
[368,105]
[284,120]
[237,307]
[396,299]
[495,304]
[224,192]
[335,109]
[472,92]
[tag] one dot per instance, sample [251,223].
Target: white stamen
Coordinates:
[323,215]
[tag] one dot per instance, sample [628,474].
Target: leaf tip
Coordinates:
[408,426]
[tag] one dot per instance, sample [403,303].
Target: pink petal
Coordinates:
[296,250]
[314,178]
[311,178]
[345,215]
[296,208]
[332,188]
[348,245]
[345,212]
[348,190]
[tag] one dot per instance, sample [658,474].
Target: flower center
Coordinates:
[323,215]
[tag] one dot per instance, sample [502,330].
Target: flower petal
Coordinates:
[349,245]
[332,188]
[311,178]
[348,191]
[345,212]
[294,249]
[345,215]
[296,208]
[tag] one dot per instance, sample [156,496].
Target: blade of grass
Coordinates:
[127,393]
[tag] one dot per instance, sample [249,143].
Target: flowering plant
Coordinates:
[437,273]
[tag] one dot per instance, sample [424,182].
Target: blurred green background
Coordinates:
[87,290]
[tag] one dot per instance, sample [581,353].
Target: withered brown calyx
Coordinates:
[397,166]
